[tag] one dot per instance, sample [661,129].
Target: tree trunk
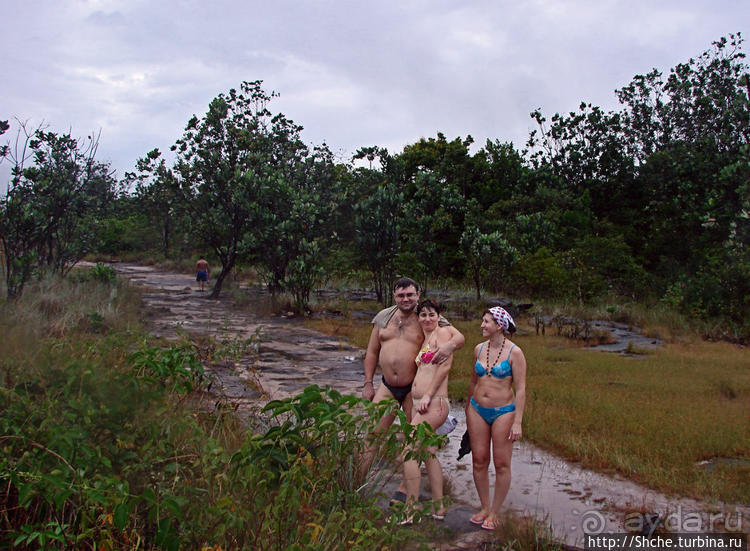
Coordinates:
[226,266]
[478,283]
[165,238]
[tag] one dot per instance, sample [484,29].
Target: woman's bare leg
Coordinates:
[502,450]
[435,416]
[479,433]
[386,421]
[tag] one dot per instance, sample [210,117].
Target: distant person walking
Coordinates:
[494,412]
[201,273]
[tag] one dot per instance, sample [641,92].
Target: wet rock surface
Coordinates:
[290,357]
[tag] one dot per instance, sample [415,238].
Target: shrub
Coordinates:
[100,449]
[103,273]
[541,275]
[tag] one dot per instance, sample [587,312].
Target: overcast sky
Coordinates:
[353,73]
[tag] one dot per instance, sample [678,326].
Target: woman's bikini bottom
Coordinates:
[490,414]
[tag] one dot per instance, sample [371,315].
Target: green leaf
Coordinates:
[25,493]
[120,515]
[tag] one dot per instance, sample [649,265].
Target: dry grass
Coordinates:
[651,418]
[56,307]
[355,332]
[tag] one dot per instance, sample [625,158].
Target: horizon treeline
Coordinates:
[650,202]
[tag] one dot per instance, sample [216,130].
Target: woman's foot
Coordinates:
[411,514]
[438,509]
[491,522]
[478,518]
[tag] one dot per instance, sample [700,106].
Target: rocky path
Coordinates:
[291,357]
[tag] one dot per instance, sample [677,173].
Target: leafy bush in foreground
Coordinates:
[101,450]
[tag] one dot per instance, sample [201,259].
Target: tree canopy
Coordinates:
[649,201]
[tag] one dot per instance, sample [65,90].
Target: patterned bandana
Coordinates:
[502,317]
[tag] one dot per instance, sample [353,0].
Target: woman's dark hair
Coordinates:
[427,303]
[511,326]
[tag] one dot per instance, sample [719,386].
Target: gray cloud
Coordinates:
[352,73]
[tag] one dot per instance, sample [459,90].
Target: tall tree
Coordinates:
[377,225]
[706,99]
[653,170]
[226,162]
[489,256]
[298,207]
[156,194]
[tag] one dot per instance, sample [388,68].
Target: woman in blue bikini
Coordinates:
[494,411]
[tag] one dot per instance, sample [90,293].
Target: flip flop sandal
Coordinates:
[491,525]
[478,521]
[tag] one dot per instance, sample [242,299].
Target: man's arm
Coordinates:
[371,363]
[444,350]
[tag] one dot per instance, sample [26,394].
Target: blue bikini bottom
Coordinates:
[490,414]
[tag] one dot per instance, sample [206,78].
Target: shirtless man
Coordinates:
[201,273]
[394,342]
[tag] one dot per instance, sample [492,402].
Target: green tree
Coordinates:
[657,172]
[57,195]
[434,217]
[490,257]
[296,216]
[304,271]
[226,162]
[596,265]
[704,99]
[156,194]
[541,274]
[438,178]
[377,236]
[501,173]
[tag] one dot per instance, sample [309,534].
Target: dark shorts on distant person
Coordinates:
[202,275]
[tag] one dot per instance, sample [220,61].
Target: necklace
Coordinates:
[400,323]
[499,353]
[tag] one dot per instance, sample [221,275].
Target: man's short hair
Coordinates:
[405,282]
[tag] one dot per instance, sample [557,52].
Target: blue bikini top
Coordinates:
[500,370]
